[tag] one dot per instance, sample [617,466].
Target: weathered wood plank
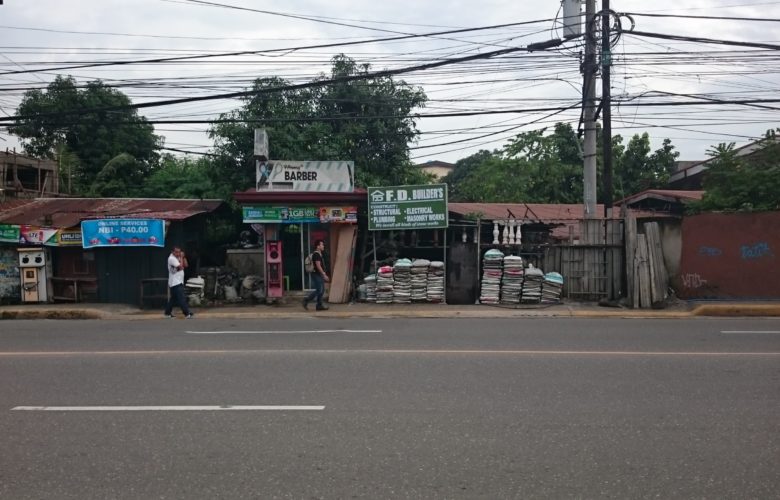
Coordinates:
[631,281]
[643,271]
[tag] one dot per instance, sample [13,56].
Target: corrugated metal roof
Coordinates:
[69,212]
[675,195]
[543,212]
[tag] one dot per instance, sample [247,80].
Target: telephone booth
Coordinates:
[274,269]
[35,273]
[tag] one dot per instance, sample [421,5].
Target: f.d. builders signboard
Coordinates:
[327,176]
[407,207]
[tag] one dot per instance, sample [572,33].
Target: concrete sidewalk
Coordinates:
[370,310]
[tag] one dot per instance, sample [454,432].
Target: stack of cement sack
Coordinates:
[532,285]
[435,288]
[384,285]
[512,280]
[552,287]
[420,280]
[492,265]
[370,282]
[402,281]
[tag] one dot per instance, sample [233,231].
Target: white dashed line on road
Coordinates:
[218,332]
[169,408]
[750,331]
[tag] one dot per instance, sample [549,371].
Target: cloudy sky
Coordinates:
[654,80]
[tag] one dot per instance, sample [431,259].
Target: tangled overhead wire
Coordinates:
[615,29]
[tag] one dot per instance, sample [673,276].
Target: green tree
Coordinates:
[461,172]
[367,120]
[749,182]
[99,139]
[532,167]
[542,167]
[184,177]
[637,169]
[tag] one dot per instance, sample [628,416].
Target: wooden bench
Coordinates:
[78,285]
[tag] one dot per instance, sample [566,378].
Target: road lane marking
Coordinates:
[170,408]
[750,331]
[227,352]
[216,332]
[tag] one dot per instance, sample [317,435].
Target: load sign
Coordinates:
[407,207]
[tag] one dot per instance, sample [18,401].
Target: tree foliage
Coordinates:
[184,177]
[749,182]
[639,169]
[368,121]
[542,167]
[99,139]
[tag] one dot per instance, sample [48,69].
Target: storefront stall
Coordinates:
[293,205]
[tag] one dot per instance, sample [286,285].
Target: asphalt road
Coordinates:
[521,408]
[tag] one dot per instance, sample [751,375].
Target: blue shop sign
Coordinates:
[122,233]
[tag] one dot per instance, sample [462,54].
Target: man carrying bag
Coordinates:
[315,266]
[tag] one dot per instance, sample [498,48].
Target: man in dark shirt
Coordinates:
[319,276]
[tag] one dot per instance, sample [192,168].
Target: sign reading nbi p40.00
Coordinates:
[122,232]
[407,207]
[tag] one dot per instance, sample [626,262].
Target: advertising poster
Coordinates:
[339,215]
[9,233]
[69,237]
[34,235]
[280,215]
[122,232]
[407,207]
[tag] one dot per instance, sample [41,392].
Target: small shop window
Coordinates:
[85,265]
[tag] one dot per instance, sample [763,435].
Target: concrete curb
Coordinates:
[705,310]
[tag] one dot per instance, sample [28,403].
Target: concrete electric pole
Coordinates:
[606,111]
[589,111]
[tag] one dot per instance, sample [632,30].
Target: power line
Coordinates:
[721,18]
[311,84]
[270,51]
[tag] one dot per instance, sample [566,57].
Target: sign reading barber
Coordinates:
[407,207]
[314,176]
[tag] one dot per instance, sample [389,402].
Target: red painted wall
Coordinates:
[730,256]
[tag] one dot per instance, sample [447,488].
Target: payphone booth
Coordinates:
[35,271]
[274,270]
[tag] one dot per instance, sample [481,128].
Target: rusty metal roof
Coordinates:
[671,195]
[542,212]
[69,212]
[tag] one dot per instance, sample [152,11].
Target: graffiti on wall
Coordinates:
[730,256]
[710,251]
[693,280]
[756,251]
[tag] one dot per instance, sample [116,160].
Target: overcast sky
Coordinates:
[42,35]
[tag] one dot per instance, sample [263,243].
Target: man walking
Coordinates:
[319,276]
[177,262]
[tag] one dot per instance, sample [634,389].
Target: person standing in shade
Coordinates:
[319,276]
[177,262]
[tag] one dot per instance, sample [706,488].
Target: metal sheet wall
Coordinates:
[730,256]
[10,281]
[120,271]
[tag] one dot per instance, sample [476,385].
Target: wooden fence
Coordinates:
[593,269]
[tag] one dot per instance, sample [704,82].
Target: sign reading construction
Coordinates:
[407,207]
[322,176]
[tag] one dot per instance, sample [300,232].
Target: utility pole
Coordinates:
[606,112]
[589,111]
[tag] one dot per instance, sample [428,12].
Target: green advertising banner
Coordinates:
[407,207]
[280,215]
[9,233]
